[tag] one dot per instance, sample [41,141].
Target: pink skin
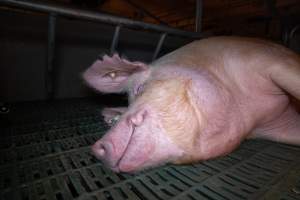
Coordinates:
[236,94]
[132,144]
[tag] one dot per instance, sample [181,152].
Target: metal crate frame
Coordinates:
[55,11]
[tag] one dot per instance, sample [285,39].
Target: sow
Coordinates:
[198,102]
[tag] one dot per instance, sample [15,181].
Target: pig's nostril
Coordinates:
[101,151]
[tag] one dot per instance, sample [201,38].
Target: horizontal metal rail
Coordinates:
[97,17]
[198,21]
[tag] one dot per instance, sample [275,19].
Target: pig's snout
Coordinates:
[103,150]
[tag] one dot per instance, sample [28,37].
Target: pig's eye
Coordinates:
[139,89]
[115,74]
[112,74]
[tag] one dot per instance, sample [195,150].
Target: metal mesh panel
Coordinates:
[45,155]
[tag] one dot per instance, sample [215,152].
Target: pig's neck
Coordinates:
[221,124]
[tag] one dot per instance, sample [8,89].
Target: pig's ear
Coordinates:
[110,74]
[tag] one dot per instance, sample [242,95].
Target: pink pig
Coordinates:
[198,102]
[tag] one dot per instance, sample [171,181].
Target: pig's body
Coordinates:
[238,95]
[199,102]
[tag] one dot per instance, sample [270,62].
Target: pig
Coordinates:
[198,102]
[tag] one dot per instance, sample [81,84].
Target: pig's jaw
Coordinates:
[149,146]
[136,153]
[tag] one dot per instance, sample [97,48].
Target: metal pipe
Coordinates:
[50,56]
[95,16]
[285,36]
[198,20]
[159,45]
[115,40]
[288,35]
[293,31]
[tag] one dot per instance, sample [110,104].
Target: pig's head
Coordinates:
[160,124]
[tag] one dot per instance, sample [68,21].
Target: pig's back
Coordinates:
[223,51]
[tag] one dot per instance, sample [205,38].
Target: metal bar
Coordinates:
[115,40]
[199,6]
[288,35]
[285,36]
[96,16]
[50,56]
[293,31]
[159,45]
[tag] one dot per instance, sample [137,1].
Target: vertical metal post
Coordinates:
[50,56]
[291,34]
[159,45]
[198,21]
[115,39]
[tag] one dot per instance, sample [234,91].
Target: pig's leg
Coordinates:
[112,115]
[285,128]
[287,77]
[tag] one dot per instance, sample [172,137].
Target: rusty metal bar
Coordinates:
[96,16]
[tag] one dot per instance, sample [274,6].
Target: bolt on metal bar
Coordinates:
[159,45]
[50,55]
[198,24]
[96,16]
[115,39]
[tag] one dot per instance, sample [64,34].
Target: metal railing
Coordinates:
[55,11]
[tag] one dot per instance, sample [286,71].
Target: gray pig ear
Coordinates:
[110,74]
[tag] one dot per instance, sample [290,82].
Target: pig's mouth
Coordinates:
[115,166]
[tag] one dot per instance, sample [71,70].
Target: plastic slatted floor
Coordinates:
[45,154]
